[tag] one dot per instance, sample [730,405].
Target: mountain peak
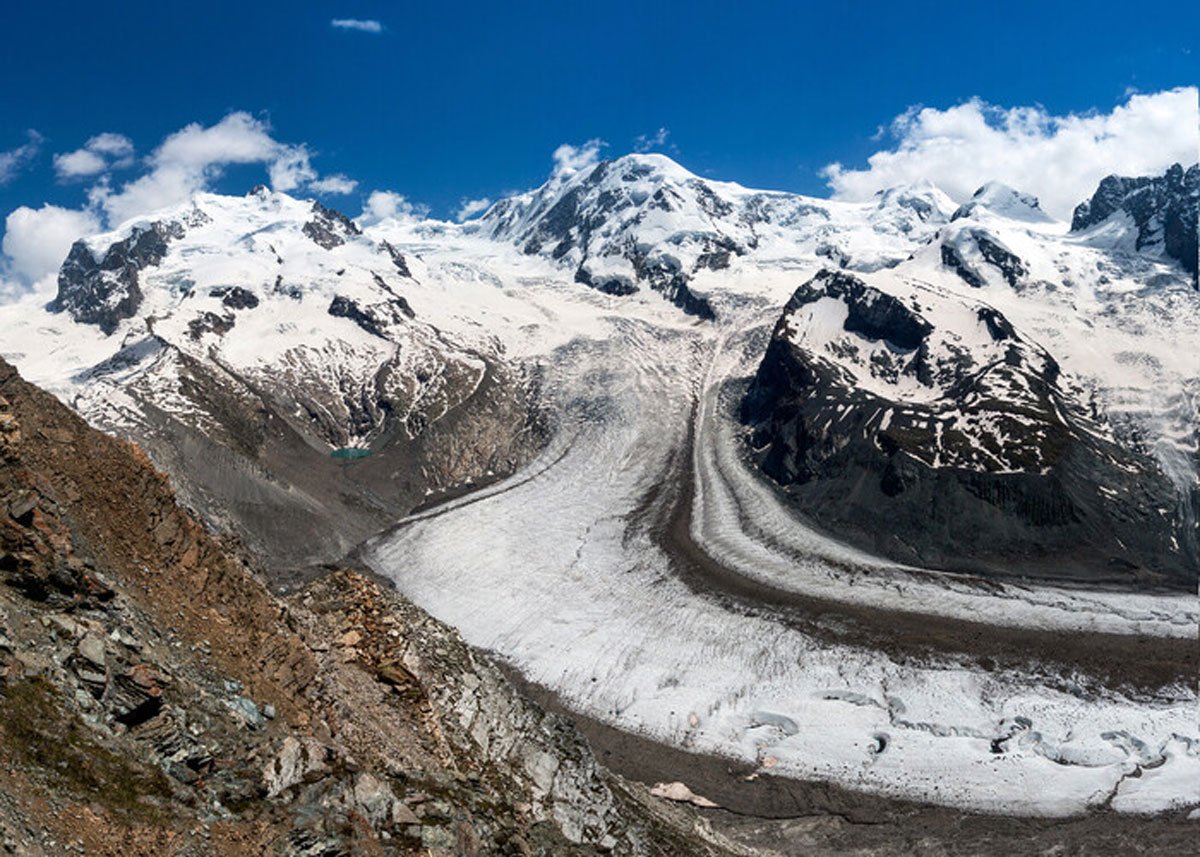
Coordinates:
[1163,209]
[923,197]
[1000,199]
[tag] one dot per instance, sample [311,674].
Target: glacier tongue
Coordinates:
[559,572]
[329,335]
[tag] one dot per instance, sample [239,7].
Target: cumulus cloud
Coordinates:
[1060,159]
[570,159]
[335,184]
[190,159]
[291,169]
[468,208]
[79,164]
[648,142]
[15,160]
[37,240]
[384,205]
[99,154]
[108,143]
[357,24]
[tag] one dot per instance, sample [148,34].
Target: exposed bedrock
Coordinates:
[257,469]
[992,468]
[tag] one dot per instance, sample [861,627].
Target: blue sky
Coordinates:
[454,101]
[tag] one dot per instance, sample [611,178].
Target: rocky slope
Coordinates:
[1161,212]
[155,698]
[932,430]
[993,404]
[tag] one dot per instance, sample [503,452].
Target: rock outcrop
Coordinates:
[104,290]
[881,419]
[1164,209]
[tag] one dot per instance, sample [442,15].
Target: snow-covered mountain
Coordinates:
[644,221]
[1158,213]
[1014,395]
[956,395]
[257,346]
[299,372]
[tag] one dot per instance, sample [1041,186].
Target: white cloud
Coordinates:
[79,164]
[357,24]
[99,154]
[37,240]
[336,184]
[470,207]
[1060,159]
[15,160]
[646,142]
[388,205]
[108,143]
[239,138]
[188,160]
[570,159]
[291,169]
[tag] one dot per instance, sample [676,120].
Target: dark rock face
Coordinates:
[210,322]
[375,318]
[235,297]
[105,291]
[612,285]
[997,470]
[330,228]
[398,260]
[1164,209]
[871,313]
[399,300]
[980,245]
[953,260]
[1005,261]
[343,307]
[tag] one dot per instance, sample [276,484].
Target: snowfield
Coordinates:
[563,571]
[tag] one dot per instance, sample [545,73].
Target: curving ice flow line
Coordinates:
[739,520]
[559,571]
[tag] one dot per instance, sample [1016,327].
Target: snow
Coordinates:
[554,580]
[556,569]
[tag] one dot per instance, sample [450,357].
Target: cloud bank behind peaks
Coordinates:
[1060,159]
[191,158]
[185,162]
[469,208]
[37,240]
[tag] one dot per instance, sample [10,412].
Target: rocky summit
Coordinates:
[1162,211]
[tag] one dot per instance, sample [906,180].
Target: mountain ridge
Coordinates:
[336,370]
